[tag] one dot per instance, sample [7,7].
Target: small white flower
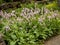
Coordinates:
[11,21]
[40,20]
[21,14]
[13,11]
[46,11]
[7,28]
[49,17]
[12,14]
[55,14]
[19,19]
[34,26]
[1,13]
[28,16]
[20,28]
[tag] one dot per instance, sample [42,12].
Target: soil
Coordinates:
[53,41]
[2,42]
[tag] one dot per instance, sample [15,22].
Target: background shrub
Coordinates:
[53,5]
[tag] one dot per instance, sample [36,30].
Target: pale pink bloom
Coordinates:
[26,9]
[7,28]
[36,11]
[56,11]
[40,19]
[34,26]
[12,14]
[20,28]
[28,16]
[25,16]
[34,18]
[29,12]
[22,14]
[1,13]
[54,15]
[11,21]
[49,17]
[13,11]
[8,16]
[46,11]
[19,19]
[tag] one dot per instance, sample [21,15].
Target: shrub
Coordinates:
[52,6]
[30,31]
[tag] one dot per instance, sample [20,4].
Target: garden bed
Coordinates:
[29,26]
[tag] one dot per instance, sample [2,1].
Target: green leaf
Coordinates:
[12,42]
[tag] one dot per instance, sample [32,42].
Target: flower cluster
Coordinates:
[7,15]
[49,15]
[28,13]
[30,27]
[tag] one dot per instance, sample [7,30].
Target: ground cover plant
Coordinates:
[29,26]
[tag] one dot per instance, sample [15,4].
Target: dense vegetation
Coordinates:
[31,24]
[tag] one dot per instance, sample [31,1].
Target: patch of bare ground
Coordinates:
[53,41]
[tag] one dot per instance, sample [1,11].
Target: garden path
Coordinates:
[53,41]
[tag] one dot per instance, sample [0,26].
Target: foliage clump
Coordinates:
[24,28]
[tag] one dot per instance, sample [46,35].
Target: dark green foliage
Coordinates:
[8,0]
[10,5]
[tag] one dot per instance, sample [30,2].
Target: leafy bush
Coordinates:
[52,5]
[30,31]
